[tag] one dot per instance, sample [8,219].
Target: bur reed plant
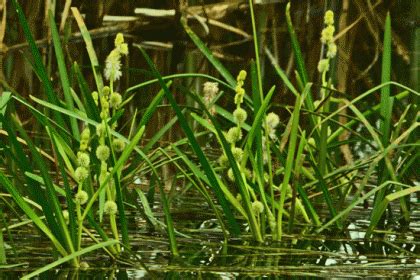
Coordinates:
[71,205]
[273,170]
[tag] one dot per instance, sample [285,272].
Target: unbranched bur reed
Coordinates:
[257,208]
[108,101]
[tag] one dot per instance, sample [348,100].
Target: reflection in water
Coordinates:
[331,254]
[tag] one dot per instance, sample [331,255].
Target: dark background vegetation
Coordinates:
[357,66]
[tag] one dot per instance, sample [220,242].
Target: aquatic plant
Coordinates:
[298,161]
[274,163]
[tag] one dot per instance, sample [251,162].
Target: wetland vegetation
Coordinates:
[235,143]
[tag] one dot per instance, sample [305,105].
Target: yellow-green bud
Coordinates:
[327,34]
[239,96]
[323,65]
[81,197]
[84,145]
[332,50]
[110,207]
[241,75]
[311,142]
[118,145]
[104,114]
[123,49]
[85,134]
[230,175]
[100,129]
[119,39]
[66,216]
[102,152]
[239,116]
[105,91]
[239,197]
[95,97]
[84,265]
[81,174]
[223,160]
[329,17]
[248,173]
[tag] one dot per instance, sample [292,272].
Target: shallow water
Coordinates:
[396,254]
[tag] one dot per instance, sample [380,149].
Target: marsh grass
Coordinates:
[287,167]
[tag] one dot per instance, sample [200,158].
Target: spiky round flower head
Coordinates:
[233,135]
[239,116]
[332,50]
[100,129]
[272,120]
[323,65]
[257,207]
[241,75]
[81,174]
[237,153]
[327,34]
[85,134]
[115,100]
[110,207]
[83,159]
[329,17]
[223,160]
[102,152]
[230,175]
[81,197]
[118,145]
[95,97]
[113,66]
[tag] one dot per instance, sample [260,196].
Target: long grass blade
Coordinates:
[70,257]
[38,65]
[63,73]
[208,54]
[233,225]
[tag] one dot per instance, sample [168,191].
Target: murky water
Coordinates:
[396,254]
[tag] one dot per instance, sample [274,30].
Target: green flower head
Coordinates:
[233,135]
[118,145]
[239,116]
[81,197]
[83,159]
[110,207]
[81,174]
[102,152]
[115,100]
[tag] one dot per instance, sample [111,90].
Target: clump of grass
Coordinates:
[92,159]
[283,179]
